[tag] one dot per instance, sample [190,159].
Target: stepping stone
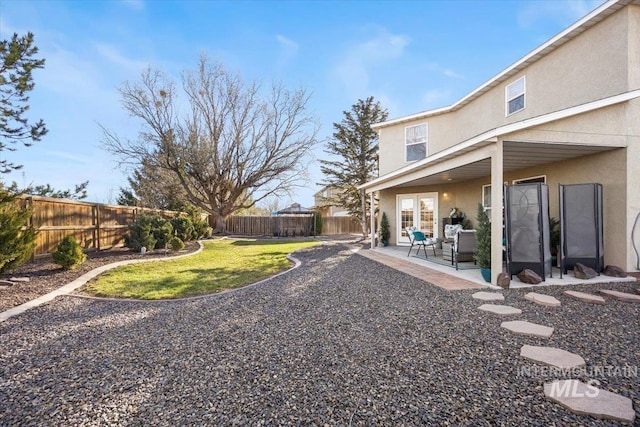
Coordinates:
[585,399]
[523,327]
[18,279]
[552,356]
[542,299]
[488,296]
[502,310]
[584,297]
[622,296]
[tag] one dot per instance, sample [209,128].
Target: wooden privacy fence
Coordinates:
[289,225]
[94,225]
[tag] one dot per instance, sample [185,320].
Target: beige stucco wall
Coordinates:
[592,66]
[607,168]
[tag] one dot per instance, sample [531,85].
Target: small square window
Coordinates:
[515,96]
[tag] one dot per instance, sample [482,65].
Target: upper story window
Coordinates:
[416,138]
[515,93]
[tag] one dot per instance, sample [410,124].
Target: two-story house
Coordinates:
[567,112]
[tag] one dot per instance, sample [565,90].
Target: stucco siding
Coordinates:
[592,66]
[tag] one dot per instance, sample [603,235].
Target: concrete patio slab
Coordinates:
[488,296]
[585,399]
[542,299]
[502,310]
[585,297]
[552,356]
[622,296]
[523,327]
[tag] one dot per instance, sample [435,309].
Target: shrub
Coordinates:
[201,227]
[69,253]
[176,244]
[385,233]
[17,242]
[162,231]
[140,234]
[483,235]
[183,228]
[318,220]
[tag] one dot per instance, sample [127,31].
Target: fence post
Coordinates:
[96,244]
[29,205]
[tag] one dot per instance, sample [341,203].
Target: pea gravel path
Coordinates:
[341,340]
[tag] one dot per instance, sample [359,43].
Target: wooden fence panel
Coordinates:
[333,225]
[93,225]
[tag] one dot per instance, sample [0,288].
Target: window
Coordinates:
[486,199]
[515,96]
[531,180]
[416,138]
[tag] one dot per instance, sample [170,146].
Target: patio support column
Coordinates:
[497,179]
[373,220]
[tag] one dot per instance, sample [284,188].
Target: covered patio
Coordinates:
[441,273]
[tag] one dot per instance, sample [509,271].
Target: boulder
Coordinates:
[581,271]
[614,271]
[529,276]
[504,281]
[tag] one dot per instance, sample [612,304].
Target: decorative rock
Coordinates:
[581,271]
[6,283]
[523,327]
[614,271]
[542,299]
[503,310]
[529,276]
[488,296]
[19,279]
[504,281]
[585,297]
[552,357]
[622,296]
[585,399]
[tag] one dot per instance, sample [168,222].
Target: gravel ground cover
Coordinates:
[45,275]
[341,340]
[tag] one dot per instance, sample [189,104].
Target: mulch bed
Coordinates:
[46,276]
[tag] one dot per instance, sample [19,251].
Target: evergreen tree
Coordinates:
[16,65]
[355,144]
[17,239]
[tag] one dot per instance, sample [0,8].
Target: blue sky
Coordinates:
[412,56]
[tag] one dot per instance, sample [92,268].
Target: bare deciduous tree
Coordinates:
[230,143]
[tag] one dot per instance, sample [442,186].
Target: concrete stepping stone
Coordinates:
[552,356]
[488,296]
[502,310]
[585,399]
[523,327]
[542,299]
[585,297]
[622,296]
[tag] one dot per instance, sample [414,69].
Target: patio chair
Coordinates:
[418,239]
[464,246]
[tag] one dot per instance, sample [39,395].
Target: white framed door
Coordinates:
[416,210]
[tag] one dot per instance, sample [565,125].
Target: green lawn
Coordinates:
[223,264]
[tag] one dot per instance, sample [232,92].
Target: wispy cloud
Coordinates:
[112,54]
[134,4]
[559,10]
[68,156]
[448,72]
[287,44]
[435,98]
[354,70]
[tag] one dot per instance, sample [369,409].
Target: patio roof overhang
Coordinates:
[472,158]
